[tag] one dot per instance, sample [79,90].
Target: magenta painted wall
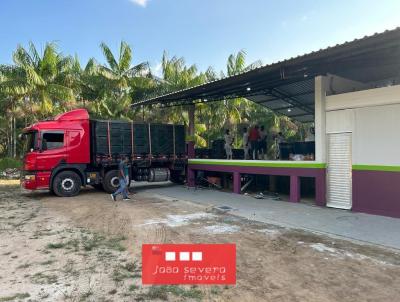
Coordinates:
[376,192]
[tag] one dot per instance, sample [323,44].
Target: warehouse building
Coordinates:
[352,94]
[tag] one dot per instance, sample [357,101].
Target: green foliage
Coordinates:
[161,293]
[18,296]
[41,84]
[9,163]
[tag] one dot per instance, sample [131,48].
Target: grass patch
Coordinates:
[130,267]
[58,245]
[48,262]
[161,293]
[90,242]
[119,275]
[14,297]
[133,287]
[40,278]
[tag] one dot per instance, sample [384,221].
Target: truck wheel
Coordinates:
[177,177]
[67,184]
[111,181]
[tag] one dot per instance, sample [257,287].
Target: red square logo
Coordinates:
[189,264]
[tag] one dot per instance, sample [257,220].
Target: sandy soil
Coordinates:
[87,248]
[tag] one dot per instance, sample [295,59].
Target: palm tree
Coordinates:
[229,113]
[118,79]
[176,76]
[41,83]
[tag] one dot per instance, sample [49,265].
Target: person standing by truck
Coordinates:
[123,175]
[228,144]
[254,138]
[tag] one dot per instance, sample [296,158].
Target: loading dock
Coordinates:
[352,94]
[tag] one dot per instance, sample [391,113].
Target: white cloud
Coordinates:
[141,3]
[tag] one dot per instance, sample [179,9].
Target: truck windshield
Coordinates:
[30,141]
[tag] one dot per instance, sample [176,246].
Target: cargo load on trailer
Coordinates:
[71,151]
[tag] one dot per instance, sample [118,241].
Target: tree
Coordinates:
[37,85]
[228,113]
[114,81]
[42,83]
[176,76]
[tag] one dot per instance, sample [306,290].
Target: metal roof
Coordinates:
[287,87]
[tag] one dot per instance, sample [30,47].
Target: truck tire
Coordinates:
[67,184]
[177,177]
[111,181]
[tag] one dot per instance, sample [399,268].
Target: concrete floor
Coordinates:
[337,223]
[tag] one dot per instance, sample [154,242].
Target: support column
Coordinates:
[320,189]
[191,174]
[237,185]
[294,188]
[190,146]
[272,183]
[320,119]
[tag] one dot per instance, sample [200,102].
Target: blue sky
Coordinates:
[205,32]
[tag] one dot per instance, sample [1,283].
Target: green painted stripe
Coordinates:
[376,168]
[256,163]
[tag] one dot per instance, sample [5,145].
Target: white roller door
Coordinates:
[339,171]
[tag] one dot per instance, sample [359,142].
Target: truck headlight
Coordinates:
[30,177]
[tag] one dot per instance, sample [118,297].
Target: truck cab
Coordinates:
[53,146]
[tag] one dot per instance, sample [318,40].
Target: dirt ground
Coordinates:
[87,248]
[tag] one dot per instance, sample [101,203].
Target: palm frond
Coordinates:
[125,57]
[109,57]
[21,57]
[34,54]
[139,70]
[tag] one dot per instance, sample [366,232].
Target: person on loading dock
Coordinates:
[262,144]
[254,137]
[123,175]
[246,146]
[228,144]
[279,139]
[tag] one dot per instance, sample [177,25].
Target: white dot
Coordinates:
[169,256]
[184,256]
[197,256]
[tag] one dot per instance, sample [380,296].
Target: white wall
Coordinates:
[377,135]
[336,85]
[373,116]
[364,98]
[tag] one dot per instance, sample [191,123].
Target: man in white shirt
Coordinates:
[246,146]
[310,137]
[228,144]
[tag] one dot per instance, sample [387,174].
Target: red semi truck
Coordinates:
[72,151]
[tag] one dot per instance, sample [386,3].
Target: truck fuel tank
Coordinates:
[158,174]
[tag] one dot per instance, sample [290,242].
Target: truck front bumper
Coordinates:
[35,180]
